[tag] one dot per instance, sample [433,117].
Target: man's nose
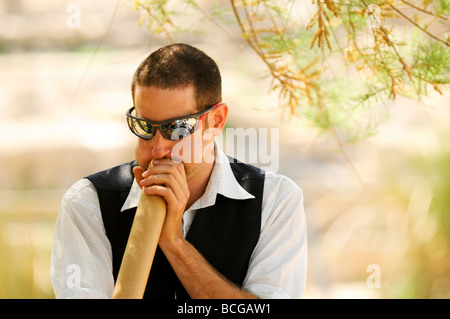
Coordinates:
[161,146]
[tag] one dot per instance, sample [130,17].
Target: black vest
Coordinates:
[225,234]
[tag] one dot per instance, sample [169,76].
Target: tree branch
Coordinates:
[425,11]
[416,25]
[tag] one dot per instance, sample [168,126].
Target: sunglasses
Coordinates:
[172,129]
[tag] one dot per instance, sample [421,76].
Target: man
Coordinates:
[231,230]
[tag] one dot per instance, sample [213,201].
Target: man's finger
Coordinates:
[138,171]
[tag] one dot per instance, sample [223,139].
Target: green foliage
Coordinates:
[431,63]
[429,266]
[441,8]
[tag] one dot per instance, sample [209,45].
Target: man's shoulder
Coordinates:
[282,183]
[270,179]
[116,178]
[245,170]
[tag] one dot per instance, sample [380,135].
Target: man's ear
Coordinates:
[218,118]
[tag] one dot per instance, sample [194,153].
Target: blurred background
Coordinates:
[64,90]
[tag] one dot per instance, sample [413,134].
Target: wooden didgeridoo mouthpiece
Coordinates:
[141,246]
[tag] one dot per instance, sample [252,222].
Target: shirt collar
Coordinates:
[222,181]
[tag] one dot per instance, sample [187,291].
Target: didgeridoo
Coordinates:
[141,246]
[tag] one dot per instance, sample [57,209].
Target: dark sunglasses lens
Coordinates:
[141,128]
[178,129]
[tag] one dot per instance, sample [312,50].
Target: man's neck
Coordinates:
[197,181]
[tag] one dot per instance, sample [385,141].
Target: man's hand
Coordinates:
[166,178]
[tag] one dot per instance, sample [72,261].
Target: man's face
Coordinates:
[157,104]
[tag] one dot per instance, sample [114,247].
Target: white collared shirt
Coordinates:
[81,265]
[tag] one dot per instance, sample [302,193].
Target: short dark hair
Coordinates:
[178,66]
